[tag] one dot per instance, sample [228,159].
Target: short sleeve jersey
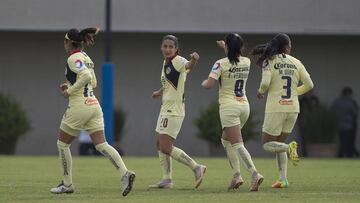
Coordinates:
[232,79]
[286,73]
[76,63]
[173,77]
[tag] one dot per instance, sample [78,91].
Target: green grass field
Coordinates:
[28,179]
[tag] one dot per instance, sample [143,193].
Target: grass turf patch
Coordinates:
[28,179]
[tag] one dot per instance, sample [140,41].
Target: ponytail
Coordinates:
[234,45]
[86,36]
[268,50]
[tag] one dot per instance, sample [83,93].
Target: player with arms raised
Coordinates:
[281,76]
[232,73]
[173,76]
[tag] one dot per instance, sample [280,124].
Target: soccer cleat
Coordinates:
[61,188]
[294,157]
[236,182]
[256,181]
[163,184]
[199,172]
[127,182]
[280,184]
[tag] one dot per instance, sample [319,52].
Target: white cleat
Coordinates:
[163,184]
[127,182]
[61,188]
[199,173]
[236,182]
[256,181]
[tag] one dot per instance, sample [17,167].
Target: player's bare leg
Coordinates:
[128,177]
[63,143]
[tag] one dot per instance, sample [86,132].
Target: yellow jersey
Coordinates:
[81,79]
[173,77]
[281,77]
[232,80]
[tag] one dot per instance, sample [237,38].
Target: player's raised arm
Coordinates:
[213,77]
[194,57]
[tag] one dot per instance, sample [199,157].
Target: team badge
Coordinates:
[79,64]
[168,70]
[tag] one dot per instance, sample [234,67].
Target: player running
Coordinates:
[84,111]
[281,75]
[232,73]
[173,76]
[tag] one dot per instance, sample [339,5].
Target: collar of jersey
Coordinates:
[171,59]
[74,52]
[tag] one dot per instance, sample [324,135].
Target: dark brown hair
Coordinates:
[235,45]
[85,36]
[275,46]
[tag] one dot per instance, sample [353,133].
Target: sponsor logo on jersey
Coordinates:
[91,101]
[240,99]
[238,69]
[284,65]
[79,64]
[286,102]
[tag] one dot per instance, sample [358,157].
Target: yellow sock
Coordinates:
[113,156]
[166,165]
[180,156]
[232,156]
[65,162]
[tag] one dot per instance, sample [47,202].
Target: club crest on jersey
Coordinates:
[168,70]
[79,64]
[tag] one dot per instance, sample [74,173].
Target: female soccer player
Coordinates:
[84,111]
[172,112]
[281,75]
[232,73]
